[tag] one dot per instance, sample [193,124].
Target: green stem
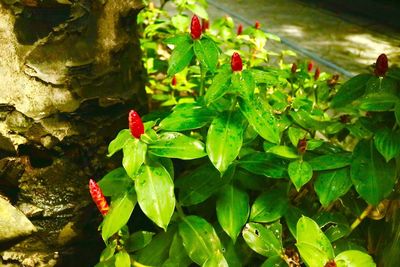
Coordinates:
[179,210]
[360,218]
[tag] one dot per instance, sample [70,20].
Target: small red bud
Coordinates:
[236,62]
[302,145]
[257,25]
[333,81]
[344,118]
[330,263]
[309,66]
[98,197]
[205,25]
[294,68]
[135,124]
[381,65]
[317,73]
[239,29]
[173,81]
[195,28]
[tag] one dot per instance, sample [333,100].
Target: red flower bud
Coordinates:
[316,74]
[330,263]
[333,81]
[205,25]
[344,118]
[98,197]
[294,68]
[195,28]
[239,29]
[135,124]
[302,145]
[309,66]
[173,81]
[236,62]
[381,65]
[257,25]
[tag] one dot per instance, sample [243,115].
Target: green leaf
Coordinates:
[198,10]
[387,143]
[275,261]
[330,161]
[378,102]
[219,85]
[262,240]
[283,151]
[354,258]
[119,214]
[261,118]
[115,182]
[207,53]
[180,57]
[177,145]
[134,155]
[109,251]
[155,193]
[187,116]
[216,260]
[138,240]
[295,134]
[199,239]
[331,185]
[314,247]
[397,112]
[300,172]
[177,254]
[292,216]
[119,141]
[232,210]
[264,164]
[122,259]
[246,85]
[372,177]
[350,90]
[225,138]
[269,206]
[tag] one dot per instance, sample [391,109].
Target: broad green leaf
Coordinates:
[261,118]
[198,10]
[122,259]
[350,90]
[275,261]
[295,134]
[387,143]
[177,145]
[207,53]
[156,252]
[262,240]
[283,151]
[225,138]
[217,261]
[187,117]
[335,225]
[177,254]
[134,155]
[219,85]
[119,141]
[115,182]
[232,210]
[155,194]
[109,251]
[372,177]
[378,102]
[180,57]
[300,172]
[331,185]
[314,247]
[199,185]
[119,214]
[199,239]
[330,161]
[269,206]
[292,216]
[307,121]
[354,258]
[138,240]
[247,85]
[181,23]
[264,164]
[397,112]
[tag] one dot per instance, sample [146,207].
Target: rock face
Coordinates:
[13,223]
[70,71]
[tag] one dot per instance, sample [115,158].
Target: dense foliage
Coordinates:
[274,164]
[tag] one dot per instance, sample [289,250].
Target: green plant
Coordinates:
[255,150]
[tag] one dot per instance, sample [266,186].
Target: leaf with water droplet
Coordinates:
[262,240]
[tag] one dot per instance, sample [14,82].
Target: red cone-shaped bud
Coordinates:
[98,197]
[173,81]
[302,145]
[195,28]
[135,124]
[205,25]
[316,74]
[257,25]
[236,62]
[330,263]
[294,68]
[309,66]
[381,65]
[239,29]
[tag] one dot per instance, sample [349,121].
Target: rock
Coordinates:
[13,223]
[67,234]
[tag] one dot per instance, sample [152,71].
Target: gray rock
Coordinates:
[13,223]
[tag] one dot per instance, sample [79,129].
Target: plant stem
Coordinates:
[360,218]
[179,210]
[202,78]
[138,264]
